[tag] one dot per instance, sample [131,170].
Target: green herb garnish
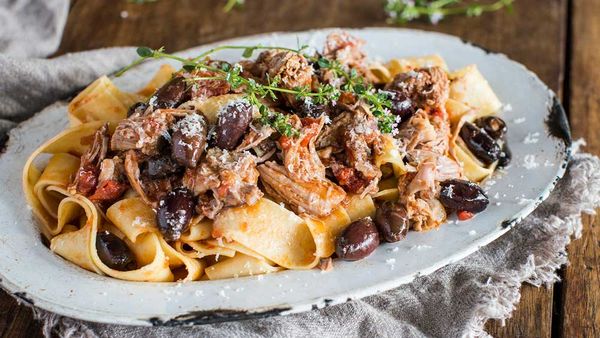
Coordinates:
[255,92]
[402,11]
[231,4]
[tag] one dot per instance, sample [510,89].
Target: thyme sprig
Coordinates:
[402,11]
[256,92]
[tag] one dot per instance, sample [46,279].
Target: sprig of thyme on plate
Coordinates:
[255,92]
[402,11]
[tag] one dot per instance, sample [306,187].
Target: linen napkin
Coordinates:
[454,301]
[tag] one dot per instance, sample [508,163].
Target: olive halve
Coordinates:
[113,252]
[174,213]
[485,148]
[137,109]
[234,120]
[463,195]
[505,156]
[189,140]
[493,126]
[358,240]
[392,221]
[172,94]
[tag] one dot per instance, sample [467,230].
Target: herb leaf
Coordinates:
[144,52]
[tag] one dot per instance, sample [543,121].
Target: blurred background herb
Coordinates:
[402,11]
[231,4]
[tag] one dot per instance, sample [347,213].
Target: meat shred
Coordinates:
[427,87]
[223,179]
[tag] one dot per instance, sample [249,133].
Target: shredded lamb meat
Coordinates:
[300,158]
[357,133]
[292,70]
[427,87]
[142,133]
[86,178]
[203,89]
[224,179]
[111,180]
[346,49]
[318,197]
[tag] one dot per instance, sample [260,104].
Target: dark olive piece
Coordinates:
[479,143]
[313,110]
[114,252]
[493,126]
[159,167]
[175,211]
[189,139]
[505,156]
[392,221]
[171,95]
[137,109]
[233,122]
[358,240]
[463,195]
[402,106]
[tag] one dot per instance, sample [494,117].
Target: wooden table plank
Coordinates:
[581,285]
[535,31]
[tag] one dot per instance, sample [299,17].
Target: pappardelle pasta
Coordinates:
[221,170]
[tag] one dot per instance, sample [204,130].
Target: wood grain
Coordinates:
[581,285]
[535,34]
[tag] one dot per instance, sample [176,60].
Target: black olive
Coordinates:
[175,211]
[189,139]
[232,124]
[164,143]
[505,156]
[480,143]
[137,109]
[159,167]
[493,126]
[358,240]
[172,94]
[463,195]
[402,106]
[392,221]
[114,252]
[313,110]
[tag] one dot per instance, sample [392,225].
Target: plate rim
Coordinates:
[556,120]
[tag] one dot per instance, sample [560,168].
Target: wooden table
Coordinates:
[557,39]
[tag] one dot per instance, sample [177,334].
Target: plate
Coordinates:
[537,131]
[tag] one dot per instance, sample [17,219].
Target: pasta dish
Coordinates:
[289,160]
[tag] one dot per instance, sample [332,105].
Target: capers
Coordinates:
[175,211]
[392,221]
[358,240]
[113,252]
[462,195]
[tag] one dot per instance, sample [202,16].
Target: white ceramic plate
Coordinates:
[30,271]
